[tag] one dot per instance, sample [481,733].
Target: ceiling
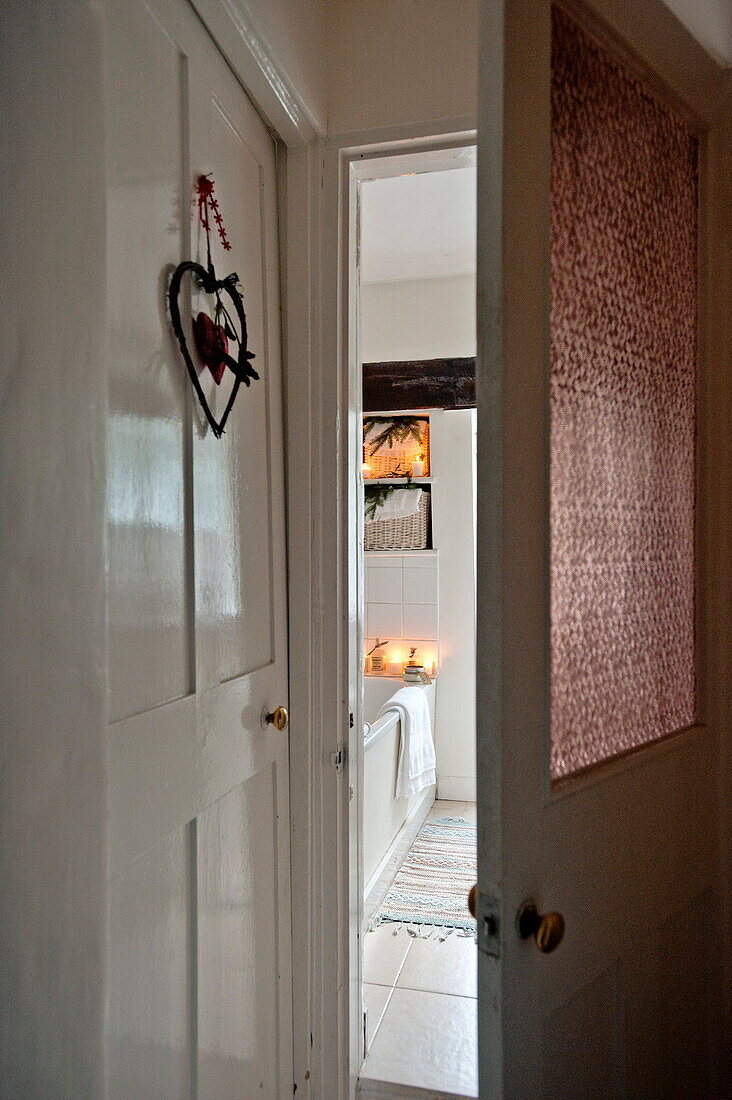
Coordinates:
[710,21]
[418,226]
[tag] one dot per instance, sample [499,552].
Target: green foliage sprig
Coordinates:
[376,495]
[396,429]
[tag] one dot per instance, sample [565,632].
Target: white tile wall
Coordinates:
[419,585]
[384,585]
[384,620]
[419,620]
[402,601]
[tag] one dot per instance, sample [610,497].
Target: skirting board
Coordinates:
[378,887]
[456,788]
[369,1089]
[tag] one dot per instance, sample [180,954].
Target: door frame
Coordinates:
[334,462]
[357,164]
[514,88]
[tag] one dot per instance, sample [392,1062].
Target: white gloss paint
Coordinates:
[199,981]
[53,698]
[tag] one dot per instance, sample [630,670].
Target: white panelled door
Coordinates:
[199,927]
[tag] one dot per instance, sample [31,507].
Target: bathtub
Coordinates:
[389,823]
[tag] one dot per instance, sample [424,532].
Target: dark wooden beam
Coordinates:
[419,384]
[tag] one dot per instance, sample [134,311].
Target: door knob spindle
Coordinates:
[277,718]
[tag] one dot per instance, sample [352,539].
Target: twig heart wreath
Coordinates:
[212,335]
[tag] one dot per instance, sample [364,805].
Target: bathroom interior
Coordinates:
[417,339]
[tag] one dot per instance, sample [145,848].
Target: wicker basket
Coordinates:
[406,533]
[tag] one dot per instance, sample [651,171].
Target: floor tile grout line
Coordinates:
[381,1018]
[441,992]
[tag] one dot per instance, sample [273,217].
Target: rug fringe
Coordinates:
[422,931]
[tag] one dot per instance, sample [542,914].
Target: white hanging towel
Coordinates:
[416,768]
[398,505]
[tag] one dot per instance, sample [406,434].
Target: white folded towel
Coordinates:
[398,505]
[416,768]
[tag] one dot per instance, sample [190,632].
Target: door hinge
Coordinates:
[365,1032]
[350,721]
[489,926]
[338,758]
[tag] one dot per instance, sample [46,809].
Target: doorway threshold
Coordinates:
[370,1089]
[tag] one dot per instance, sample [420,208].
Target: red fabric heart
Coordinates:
[212,344]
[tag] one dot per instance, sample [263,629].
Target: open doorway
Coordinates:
[415,599]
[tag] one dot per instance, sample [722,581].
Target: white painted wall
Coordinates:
[394,62]
[295,35]
[453,533]
[418,319]
[52,477]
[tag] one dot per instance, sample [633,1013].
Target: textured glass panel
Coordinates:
[623,339]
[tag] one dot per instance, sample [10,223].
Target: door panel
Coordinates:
[669,1008]
[234,478]
[199,983]
[147,492]
[149,1011]
[237,911]
[580,1048]
[628,851]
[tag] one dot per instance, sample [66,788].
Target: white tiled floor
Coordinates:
[421,1001]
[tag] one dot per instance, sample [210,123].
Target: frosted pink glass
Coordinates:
[623,354]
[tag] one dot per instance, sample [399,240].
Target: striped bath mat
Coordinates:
[430,892]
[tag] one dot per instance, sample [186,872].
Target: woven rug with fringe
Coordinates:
[429,896]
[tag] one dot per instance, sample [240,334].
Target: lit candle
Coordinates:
[431,667]
[365,470]
[418,469]
[395,665]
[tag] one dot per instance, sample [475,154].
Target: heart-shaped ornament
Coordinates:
[219,358]
[212,344]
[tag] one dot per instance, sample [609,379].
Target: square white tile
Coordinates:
[469,811]
[420,620]
[428,1041]
[450,966]
[375,1000]
[443,808]
[420,585]
[384,620]
[384,952]
[384,585]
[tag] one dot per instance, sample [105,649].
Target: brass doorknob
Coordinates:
[473,900]
[546,928]
[277,718]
